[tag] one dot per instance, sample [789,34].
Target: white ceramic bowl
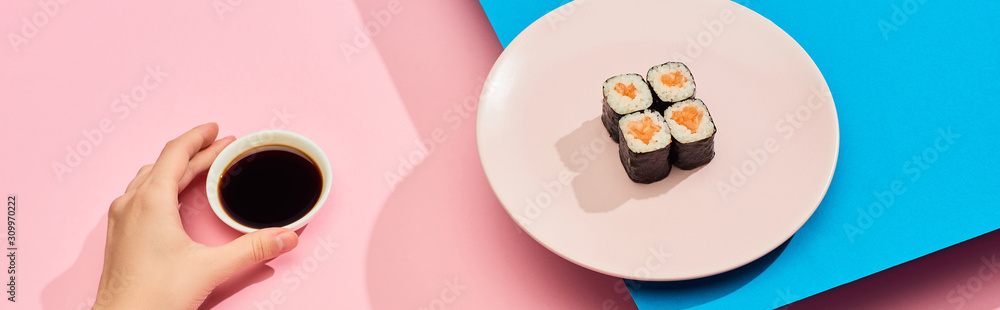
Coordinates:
[256,142]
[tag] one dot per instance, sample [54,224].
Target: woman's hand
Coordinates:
[149,261]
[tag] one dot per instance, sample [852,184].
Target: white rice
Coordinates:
[622,104]
[660,140]
[706,128]
[670,93]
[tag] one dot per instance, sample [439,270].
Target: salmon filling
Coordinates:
[689,117]
[673,79]
[643,129]
[628,91]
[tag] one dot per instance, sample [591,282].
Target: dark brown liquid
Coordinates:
[270,188]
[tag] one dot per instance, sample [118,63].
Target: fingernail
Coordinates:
[286,241]
[229,138]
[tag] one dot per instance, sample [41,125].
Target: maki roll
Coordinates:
[693,132]
[645,146]
[671,82]
[623,94]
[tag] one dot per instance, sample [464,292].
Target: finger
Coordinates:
[139,178]
[173,161]
[253,248]
[203,160]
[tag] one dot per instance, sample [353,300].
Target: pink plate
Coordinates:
[557,172]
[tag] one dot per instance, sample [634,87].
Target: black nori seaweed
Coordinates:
[659,105]
[644,167]
[692,155]
[610,119]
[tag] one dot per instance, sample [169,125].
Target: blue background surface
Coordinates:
[899,76]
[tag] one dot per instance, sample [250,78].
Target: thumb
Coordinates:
[256,247]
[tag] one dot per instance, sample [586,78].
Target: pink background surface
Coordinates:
[441,228]
[280,65]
